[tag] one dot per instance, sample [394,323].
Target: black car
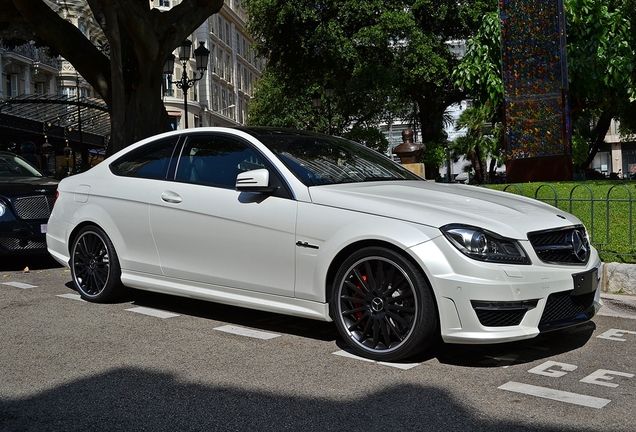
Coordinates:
[26,200]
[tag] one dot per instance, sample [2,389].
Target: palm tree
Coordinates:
[475,146]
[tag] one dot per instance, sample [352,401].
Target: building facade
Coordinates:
[222,96]
[44,99]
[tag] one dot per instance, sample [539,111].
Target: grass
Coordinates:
[606,207]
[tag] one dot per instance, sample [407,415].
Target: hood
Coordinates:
[18,186]
[438,204]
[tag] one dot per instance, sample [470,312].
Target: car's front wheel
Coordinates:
[94,265]
[383,306]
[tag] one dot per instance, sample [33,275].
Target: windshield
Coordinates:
[14,166]
[321,159]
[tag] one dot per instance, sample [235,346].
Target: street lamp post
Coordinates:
[201,55]
[329,89]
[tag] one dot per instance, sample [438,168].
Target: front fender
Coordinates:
[330,230]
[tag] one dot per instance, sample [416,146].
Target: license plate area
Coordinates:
[585,282]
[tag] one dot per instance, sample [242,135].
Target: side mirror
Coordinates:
[254,181]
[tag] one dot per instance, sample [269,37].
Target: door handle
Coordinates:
[171,197]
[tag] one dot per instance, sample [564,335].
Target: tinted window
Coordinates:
[13,166]
[150,161]
[319,159]
[215,160]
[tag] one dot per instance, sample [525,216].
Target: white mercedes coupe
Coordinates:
[319,227]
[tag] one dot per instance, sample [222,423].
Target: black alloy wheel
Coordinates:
[94,265]
[383,306]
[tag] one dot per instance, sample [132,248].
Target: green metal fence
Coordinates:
[609,219]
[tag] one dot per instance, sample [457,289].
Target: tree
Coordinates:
[382,57]
[601,64]
[475,143]
[140,39]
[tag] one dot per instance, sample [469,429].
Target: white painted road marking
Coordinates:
[241,331]
[404,366]
[544,369]
[71,296]
[557,395]
[19,285]
[616,335]
[601,376]
[153,312]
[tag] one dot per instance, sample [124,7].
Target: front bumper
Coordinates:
[19,237]
[482,302]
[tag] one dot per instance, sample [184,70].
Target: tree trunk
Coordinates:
[140,40]
[602,127]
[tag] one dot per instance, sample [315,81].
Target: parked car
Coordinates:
[319,227]
[26,201]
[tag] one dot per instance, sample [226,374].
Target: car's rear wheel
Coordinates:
[383,306]
[94,265]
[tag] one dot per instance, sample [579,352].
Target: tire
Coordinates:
[94,266]
[383,306]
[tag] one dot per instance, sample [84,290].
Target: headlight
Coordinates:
[484,245]
[3,208]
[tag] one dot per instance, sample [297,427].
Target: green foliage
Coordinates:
[601,68]
[475,145]
[480,70]
[368,136]
[579,149]
[435,153]
[601,56]
[280,106]
[382,57]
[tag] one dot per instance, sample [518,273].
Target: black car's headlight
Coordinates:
[3,208]
[484,245]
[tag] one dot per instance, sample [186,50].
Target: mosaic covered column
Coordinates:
[537,118]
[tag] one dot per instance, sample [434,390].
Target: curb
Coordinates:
[617,278]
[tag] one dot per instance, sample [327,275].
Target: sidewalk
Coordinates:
[618,305]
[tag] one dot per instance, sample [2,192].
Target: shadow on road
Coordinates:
[129,399]
[33,262]
[483,356]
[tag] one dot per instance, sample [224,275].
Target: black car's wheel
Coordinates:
[94,265]
[383,306]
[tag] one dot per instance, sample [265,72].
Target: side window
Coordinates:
[215,160]
[150,161]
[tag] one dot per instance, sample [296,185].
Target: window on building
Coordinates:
[215,97]
[12,89]
[40,88]
[219,61]
[227,34]
[231,72]
[226,67]
[164,3]
[69,92]
[213,58]
[168,89]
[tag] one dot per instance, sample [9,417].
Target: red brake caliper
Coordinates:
[357,295]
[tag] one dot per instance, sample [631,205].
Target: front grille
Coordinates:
[13,244]
[563,246]
[491,318]
[502,313]
[34,207]
[563,309]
